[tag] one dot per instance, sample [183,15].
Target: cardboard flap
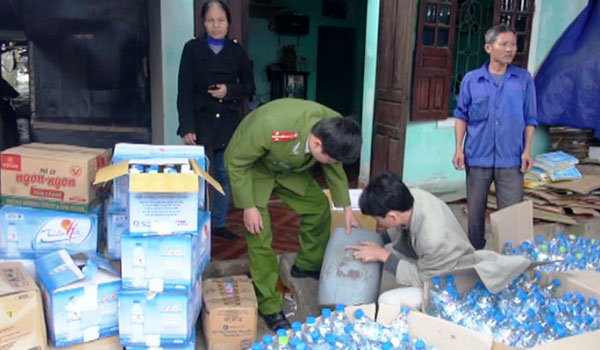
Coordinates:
[206,176]
[14,278]
[514,224]
[446,335]
[111,172]
[57,269]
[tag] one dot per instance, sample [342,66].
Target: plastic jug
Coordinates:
[345,280]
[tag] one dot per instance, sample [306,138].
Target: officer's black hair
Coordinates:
[384,193]
[208,4]
[340,137]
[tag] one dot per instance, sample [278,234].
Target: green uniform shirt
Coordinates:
[269,146]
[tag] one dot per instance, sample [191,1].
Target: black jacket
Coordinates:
[213,120]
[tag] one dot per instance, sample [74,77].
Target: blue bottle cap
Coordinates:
[404,309]
[330,338]
[315,335]
[281,332]
[310,319]
[419,344]
[267,339]
[349,328]
[296,326]
[449,278]
[326,312]
[340,307]
[359,313]
[436,280]
[386,346]
[256,346]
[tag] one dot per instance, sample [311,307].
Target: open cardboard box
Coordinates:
[515,224]
[465,279]
[161,203]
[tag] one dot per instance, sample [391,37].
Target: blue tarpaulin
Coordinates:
[568,82]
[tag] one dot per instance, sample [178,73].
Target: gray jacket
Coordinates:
[439,245]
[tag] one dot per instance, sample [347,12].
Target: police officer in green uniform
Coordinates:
[271,151]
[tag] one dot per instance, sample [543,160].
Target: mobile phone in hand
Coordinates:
[213,87]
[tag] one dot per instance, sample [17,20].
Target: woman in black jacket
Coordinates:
[215,75]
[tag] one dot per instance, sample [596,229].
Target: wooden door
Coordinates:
[392,88]
[239,19]
[434,59]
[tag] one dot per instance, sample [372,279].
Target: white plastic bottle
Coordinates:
[139,266]
[12,241]
[73,319]
[137,322]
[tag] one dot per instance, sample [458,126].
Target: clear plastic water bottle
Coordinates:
[507,248]
[267,342]
[296,330]
[137,322]
[339,319]
[318,341]
[420,344]
[502,330]
[372,331]
[434,293]
[400,324]
[283,342]
[326,323]
[12,241]
[139,266]
[354,340]
[387,346]
[335,343]
[529,338]
[309,326]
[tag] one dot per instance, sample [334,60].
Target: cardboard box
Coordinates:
[80,305]
[127,151]
[116,222]
[442,334]
[230,313]
[32,232]
[51,176]
[159,319]
[28,264]
[337,213]
[108,343]
[161,203]
[165,263]
[514,224]
[22,316]
[465,279]
[191,345]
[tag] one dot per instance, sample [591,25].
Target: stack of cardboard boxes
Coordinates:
[157,218]
[49,205]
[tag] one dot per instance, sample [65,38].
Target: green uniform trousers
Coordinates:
[315,222]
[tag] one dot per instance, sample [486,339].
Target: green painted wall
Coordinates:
[264,45]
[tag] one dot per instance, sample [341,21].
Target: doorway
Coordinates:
[335,69]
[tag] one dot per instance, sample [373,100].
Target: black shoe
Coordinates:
[301,273]
[223,232]
[276,321]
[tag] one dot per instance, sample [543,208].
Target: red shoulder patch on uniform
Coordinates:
[280,136]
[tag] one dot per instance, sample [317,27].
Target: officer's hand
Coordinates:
[369,251]
[219,92]
[189,138]
[459,160]
[526,161]
[253,220]
[350,219]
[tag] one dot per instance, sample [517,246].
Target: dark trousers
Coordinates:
[509,191]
